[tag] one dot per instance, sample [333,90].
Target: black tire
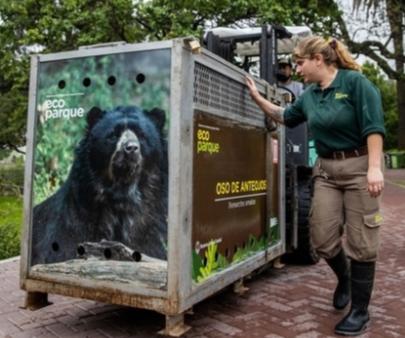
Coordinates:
[305,253]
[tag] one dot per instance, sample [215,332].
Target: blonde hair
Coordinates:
[333,51]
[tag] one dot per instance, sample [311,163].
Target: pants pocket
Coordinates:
[365,243]
[373,220]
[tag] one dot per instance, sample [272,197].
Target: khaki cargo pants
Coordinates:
[342,204]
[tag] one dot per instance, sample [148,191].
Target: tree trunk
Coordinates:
[401,112]
[395,16]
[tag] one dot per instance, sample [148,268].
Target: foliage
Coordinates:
[388,94]
[211,264]
[384,19]
[11,187]
[28,26]
[252,246]
[4,153]
[214,261]
[196,265]
[10,225]
[12,117]
[167,19]
[274,232]
[12,179]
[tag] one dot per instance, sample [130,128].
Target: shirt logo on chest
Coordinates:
[339,95]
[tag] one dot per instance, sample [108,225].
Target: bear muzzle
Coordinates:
[131,148]
[126,162]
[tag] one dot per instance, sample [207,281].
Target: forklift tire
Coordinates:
[305,253]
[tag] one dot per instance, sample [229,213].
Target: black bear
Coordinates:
[116,189]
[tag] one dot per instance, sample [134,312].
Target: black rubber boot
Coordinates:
[362,280]
[340,266]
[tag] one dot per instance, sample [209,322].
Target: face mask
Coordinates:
[281,77]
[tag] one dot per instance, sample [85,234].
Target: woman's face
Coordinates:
[308,69]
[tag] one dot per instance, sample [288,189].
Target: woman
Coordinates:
[344,114]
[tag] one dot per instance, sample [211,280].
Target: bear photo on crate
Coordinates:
[116,189]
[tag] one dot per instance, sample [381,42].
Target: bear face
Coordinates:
[123,143]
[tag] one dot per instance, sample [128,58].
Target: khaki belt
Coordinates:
[343,154]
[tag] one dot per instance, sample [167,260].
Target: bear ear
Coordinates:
[158,116]
[93,116]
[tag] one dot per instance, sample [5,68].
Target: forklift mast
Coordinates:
[225,47]
[225,43]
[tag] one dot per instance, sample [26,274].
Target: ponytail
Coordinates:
[333,51]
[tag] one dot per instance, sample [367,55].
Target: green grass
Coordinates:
[10,225]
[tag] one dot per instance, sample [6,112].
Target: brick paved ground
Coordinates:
[291,302]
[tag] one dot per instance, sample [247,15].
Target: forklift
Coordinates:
[256,50]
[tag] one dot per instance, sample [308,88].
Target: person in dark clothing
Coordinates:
[284,77]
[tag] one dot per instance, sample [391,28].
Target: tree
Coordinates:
[59,25]
[27,26]
[48,26]
[381,51]
[167,19]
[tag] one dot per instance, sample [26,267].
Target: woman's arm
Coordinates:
[272,110]
[375,176]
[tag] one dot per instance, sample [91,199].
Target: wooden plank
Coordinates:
[28,174]
[281,187]
[175,326]
[124,48]
[99,291]
[180,174]
[36,300]
[149,274]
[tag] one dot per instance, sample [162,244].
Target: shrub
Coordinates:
[12,179]
[4,153]
[10,226]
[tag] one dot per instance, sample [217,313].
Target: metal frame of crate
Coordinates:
[190,90]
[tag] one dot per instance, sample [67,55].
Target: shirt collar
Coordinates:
[337,81]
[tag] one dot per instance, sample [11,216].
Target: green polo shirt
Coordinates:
[341,116]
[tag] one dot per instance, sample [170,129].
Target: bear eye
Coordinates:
[111,137]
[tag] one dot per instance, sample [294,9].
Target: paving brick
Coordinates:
[34,333]
[311,334]
[272,335]
[306,326]
[303,318]
[7,327]
[276,306]
[293,302]
[224,328]
[60,330]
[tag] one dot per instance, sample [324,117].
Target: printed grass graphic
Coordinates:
[215,262]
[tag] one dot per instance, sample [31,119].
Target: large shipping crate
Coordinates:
[151,178]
